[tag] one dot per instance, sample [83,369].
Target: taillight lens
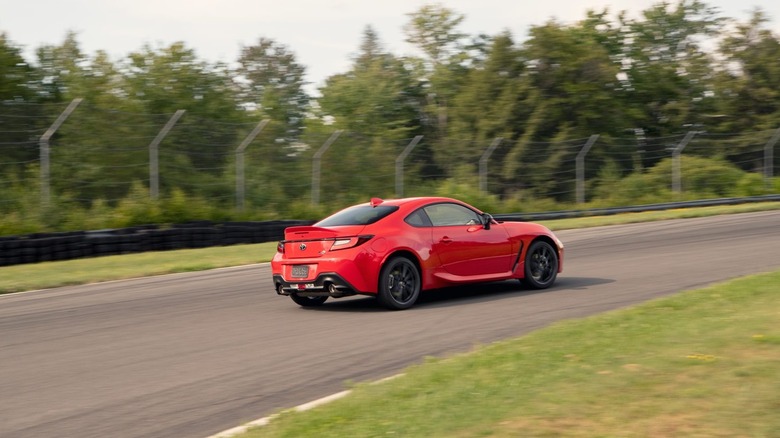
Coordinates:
[280,247]
[349,242]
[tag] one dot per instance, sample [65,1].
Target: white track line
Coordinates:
[300,408]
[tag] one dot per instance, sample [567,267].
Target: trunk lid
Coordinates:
[312,242]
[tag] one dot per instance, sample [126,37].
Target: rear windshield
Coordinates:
[358,215]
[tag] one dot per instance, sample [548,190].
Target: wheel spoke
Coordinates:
[401,284]
[541,267]
[406,274]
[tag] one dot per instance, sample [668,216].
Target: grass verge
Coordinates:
[81,271]
[90,270]
[701,363]
[650,216]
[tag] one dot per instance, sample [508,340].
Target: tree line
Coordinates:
[639,83]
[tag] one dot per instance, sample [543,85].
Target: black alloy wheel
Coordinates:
[541,265]
[399,284]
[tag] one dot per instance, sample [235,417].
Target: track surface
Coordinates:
[189,355]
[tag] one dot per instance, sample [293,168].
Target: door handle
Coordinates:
[445,239]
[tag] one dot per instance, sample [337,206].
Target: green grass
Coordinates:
[80,271]
[650,216]
[704,363]
[69,272]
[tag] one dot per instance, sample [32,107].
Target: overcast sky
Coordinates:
[323,34]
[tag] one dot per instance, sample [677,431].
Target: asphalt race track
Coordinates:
[189,355]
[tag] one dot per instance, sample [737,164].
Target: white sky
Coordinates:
[323,34]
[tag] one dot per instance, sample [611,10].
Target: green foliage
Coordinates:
[667,74]
[14,71]
[378,97]
[677,366]
[701,178]
[752,91]
[274,85]
[651,78]
[490,106]
[23,213]
[750,184]
[177,208]
[305,210]
[99,215]
[137,208]
[469,192]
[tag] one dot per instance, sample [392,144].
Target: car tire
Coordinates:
[399,284]
[308,301]
[541,265]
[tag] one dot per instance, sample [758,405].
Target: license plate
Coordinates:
[300,271]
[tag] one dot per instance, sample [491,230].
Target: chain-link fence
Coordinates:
[81,153]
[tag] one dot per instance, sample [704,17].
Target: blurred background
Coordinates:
[674,102]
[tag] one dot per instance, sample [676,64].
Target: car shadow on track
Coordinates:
[485,292]
[458,295]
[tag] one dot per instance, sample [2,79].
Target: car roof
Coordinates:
[412,203]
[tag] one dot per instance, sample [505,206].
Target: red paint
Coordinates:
[447,253]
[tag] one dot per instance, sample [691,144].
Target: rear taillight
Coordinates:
[280,247]
[350,242]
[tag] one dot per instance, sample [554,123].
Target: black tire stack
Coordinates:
[42,247]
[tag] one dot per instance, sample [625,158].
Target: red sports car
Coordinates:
[394,249]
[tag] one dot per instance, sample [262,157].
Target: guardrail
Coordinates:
[566,214]
[41,247]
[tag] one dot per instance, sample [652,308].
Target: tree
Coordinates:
[173,78]
[747,93]
[377,97]
[750,83]
[58,65]
[20,118]
[378,100]
[571,95]
[102,149]
[433,30]
[271,80]
[14,72]
[668,76]
[491,104]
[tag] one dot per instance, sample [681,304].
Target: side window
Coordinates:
[451,214]
[418,219]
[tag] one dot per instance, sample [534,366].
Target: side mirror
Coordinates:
[487,219]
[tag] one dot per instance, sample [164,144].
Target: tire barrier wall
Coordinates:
[41,247]
[44,247]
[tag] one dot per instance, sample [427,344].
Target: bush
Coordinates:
[468,191]
[700,178]
[21,211]
[178,208]
[751,184]
[136,208]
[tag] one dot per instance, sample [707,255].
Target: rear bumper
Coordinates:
[327,284]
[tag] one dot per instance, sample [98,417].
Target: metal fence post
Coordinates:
[399,165]
[240,181]
[154,166]
[769,160]
[316,164]
[580,167]
[483,162]
[43,143]
[676,178]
